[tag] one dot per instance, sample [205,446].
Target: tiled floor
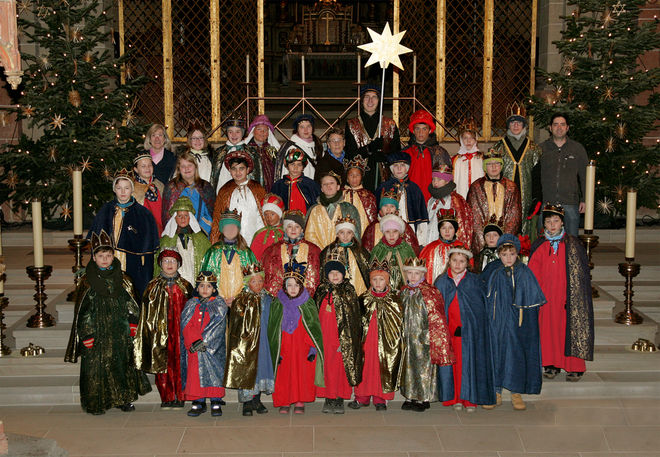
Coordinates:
[549,428]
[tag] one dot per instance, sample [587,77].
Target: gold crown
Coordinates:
[252,269]
[207,276]
[468,124]
[391,194]
[494,221]
[555,208]
[295,270]
[101,240]
[231,214]
[492,154]
[376,265]
[357,162]
[414,262]
[516,109]
[345,220]
[122,174]
[445,215]
[335,255]
[443,168]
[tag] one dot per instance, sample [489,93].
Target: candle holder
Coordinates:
[41,319]
[629,269]
[4,302]
[590,242]
[78,244]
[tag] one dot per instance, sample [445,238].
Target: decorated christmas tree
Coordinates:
[609,96]
[79,113]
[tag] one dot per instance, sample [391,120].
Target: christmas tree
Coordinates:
[79,113]
[609,97]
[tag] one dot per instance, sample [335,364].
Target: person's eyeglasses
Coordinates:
[195,138]
[336,141]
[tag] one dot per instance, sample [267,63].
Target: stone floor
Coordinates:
[549,428]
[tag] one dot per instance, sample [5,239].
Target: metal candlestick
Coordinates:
[78,244]
[4,301]
[41,319]
[628,316]
[590,242]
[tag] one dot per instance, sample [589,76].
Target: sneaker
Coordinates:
[550,372]
[418,407]
[339,406]
[458,407]
[517,402]
[470,409]
[166,405]
[355,404]
[216,409]
[198,407]
[328,406]
[284,409]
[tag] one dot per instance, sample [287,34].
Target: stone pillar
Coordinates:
[549,29]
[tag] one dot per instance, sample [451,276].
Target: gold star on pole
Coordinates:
[619,8]
[28,111]
[385,48]
[52,154]
[57,122]
[86,164]
[66,211]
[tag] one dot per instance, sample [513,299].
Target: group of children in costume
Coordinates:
[306,292]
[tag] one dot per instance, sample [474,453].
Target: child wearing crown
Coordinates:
[229,256]
[387,204]
[354,257]
[492,233]
[426,340]
[241,194]
[272,207]
[493,194]
[159,328]
[444,197]
[393,249]
[296,343]
[249,365]
[297,191]
[382,318]
[202,347]
[339,314]
[363,199]
[468,163]
[104,325]
[436,254]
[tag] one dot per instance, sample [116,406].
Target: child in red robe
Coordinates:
[297,191]
[436,254]
[272,207]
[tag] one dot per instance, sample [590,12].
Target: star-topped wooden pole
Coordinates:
[385,50]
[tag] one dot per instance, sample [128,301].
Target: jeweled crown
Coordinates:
[101,240]
[377,265]
[357,162]
[554,208]
[468,124]
[252,269]
[206,276]
[414,262]
[231,214]
[295,270]
[516,109]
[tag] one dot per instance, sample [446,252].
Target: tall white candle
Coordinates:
[77,203]
[247,68]
[359,68]
[414,68]
[37,234]
[589,197]
[631,221]
[302,63]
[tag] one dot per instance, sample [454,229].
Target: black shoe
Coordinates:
[248,406]
[418,407]
[380,406]
[222,402]
[178,404]
[328,406]
[339,406]
[426,404]
[258,406]
[407,405]
[216,409]
[166,405]
[127,407]
[574,376]
[355,404]
[550,372]
[198,407]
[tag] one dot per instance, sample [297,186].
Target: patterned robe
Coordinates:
[220,175]
[436,255]
[372,236]
[321,220]
[503,202]
[266,162]
[423,158]
[463,215]
[227,261]
[396,255]
[365,203]
[356,260]
[252,220]
[279,254]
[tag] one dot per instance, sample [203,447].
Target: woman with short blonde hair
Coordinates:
[159,146]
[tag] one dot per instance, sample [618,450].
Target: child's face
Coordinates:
[234,134]
[553,224]
[256,283]
[491,239]
[205,289]
[447,231]
[329,186]
[508,256]
[239,172]
[457,263]
[438,182]
[414,276]
[292,287]
[293,230]
[295,168]
[271,218]
[354,177]
[182,218]
[103,259]
[335,277]
[399,170]
[230,231]
[169,265]
[345,235]
[379,282]
[387,209]
[391,235]
[123,190]
[145,168]
[468,140]
[493,169]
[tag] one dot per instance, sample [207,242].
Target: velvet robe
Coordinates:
[395,255]
[279,254]
[300,193]
[416,213]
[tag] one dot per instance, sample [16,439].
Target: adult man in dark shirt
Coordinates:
[563,171]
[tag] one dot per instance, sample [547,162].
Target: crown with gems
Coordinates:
[206,276]
[414,262]
[101,240]
[468,124]
[231,214]
[516,109]
[555,208]
[295,270]
[391,194]
[492,154]
[377,265]
[345,220]
[445,215]
[357,162]
[335,255]
[443,168]
[123,174]
[252,269]
[234,120]
[494,221]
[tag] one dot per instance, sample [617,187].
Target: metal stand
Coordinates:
[78,244]
[628,316]
[41,319]
[590,242]
[4,301]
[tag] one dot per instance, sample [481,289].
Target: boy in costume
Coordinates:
[147,190]
[296,343]
[339,314]
[492,233]
[354,257]
[184,234]
[426,340]
[297,191]
[388,204]
[363,199]
[566,322]
[436,254]
[292,247]
[249,364]
[468,162]
[514,298]
[235,129]
[104,325]
[382,321]
[272,208]
[444,196]
[227,258]
[159,328]
[202,347]
[393,249]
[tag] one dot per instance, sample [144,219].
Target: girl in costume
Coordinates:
[468,163]
[272,208]
[303,138]
[363,199]
[393,249]
[444,196]
[436,254]
[147,190]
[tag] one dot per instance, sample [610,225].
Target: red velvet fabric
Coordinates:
[169,383]
[336,383]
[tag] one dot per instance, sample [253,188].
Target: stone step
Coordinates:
[609,333]
[55,337]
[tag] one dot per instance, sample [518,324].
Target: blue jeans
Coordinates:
[571,220]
